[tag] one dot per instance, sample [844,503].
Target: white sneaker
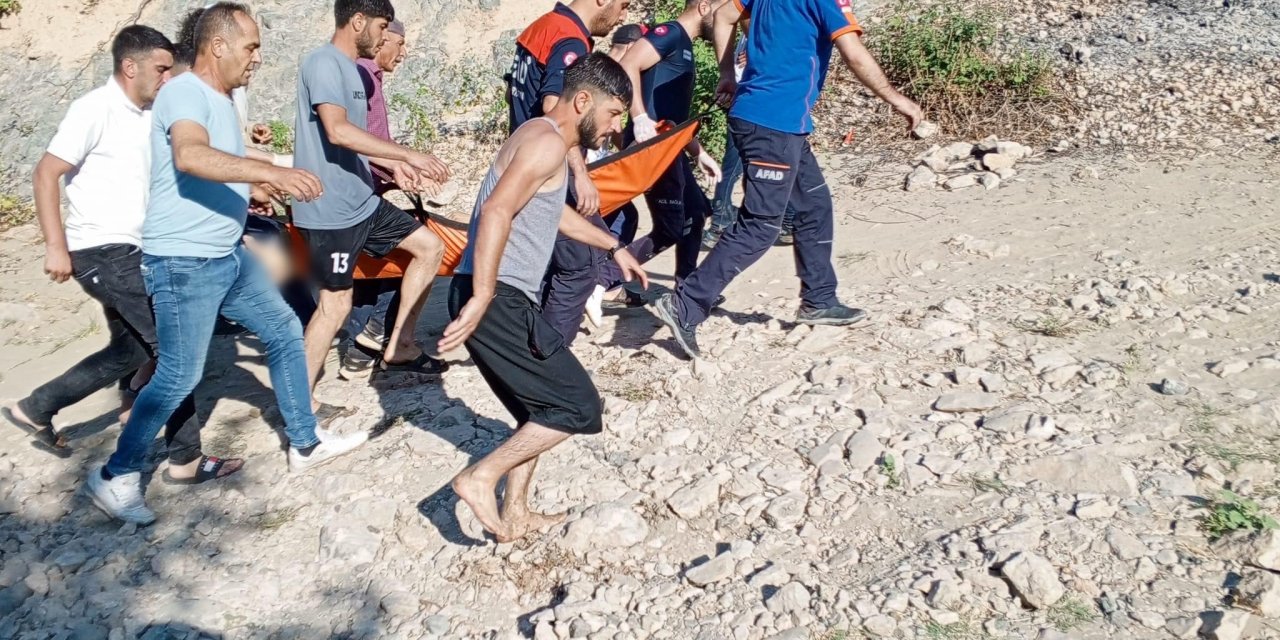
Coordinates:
[331,446]
[120,497]
[595,307]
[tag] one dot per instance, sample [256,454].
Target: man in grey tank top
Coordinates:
[493,298]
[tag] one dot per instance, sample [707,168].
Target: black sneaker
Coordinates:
[839,315]
[664,308]
[785,239]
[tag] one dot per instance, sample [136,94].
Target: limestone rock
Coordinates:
[1260,590]
[605,525]
[920,179]
[1034,579]
[967,401]
[714,570]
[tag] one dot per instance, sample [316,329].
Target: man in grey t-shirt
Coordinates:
[331,141]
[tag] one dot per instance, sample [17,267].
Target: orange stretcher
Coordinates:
[620,178]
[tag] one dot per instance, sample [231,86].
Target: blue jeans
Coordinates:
[723,213]
[187,294]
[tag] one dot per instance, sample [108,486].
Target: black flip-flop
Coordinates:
[423,365]
[205,471]
[43,437]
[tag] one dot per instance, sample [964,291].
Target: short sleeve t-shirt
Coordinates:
[328,76]
[543,51]
[106,139]
[189,216]
[667,86]
[789,47]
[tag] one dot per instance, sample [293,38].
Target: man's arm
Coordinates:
[864,66]
[536,160]
[641,57]
[193,155]
[578,228]
[48,172]
[588,195]
[723,33]
[341,132]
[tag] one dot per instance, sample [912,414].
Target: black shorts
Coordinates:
[525,362]
[334,251]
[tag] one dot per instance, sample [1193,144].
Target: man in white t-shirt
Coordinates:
[102,149]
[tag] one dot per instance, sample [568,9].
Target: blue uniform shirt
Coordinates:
[788,50]
[667,87]
[543,51]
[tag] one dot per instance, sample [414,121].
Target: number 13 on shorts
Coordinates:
[340,262]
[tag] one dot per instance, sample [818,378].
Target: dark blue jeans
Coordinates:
[187,295]
[111,274]
[780,170]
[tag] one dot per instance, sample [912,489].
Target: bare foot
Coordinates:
[521,525]
[16,415]
[401,353]
[481,497]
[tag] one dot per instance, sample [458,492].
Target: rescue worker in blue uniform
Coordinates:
[662,76]
[789,44]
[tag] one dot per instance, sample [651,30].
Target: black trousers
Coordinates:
[111,274]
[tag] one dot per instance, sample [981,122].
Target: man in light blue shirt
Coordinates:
[195,268]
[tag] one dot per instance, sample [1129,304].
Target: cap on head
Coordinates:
[396,27]
[628,33]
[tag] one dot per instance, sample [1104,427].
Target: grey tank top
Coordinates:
[533,234]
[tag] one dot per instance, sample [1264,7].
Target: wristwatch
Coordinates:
[616,248]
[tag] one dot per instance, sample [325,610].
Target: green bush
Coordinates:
[281,136]
[15,211]
[1232,512]
[949,48]
[714,127]
[9,7]
[950,59]
[453,89]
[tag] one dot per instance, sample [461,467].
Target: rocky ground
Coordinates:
[993,456]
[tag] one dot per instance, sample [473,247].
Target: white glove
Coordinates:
[644,127]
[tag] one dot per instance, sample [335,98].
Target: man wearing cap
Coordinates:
[789,45]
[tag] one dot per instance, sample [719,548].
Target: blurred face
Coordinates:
[601,118]
[392,52]
[612,13]
[371,32]
[239,54]
[147,74]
